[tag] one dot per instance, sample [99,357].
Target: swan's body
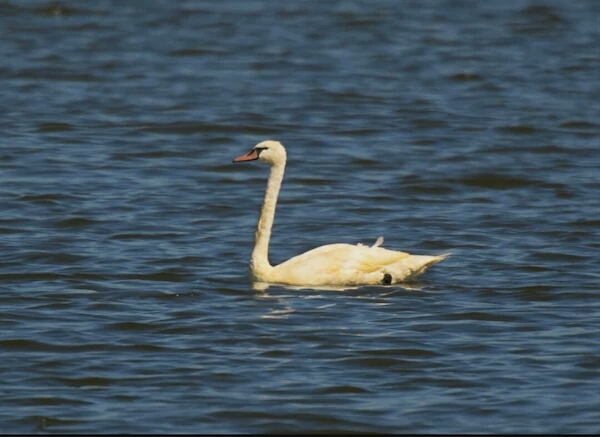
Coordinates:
[332,264]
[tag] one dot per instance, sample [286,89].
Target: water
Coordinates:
[463,127]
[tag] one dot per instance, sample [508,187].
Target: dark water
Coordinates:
[469,127]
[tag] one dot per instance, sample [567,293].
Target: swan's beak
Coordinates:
[251,156]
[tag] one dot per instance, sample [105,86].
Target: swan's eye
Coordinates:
[259,149]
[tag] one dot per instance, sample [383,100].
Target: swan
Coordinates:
[330,265]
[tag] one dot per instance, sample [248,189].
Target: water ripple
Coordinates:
[127,231]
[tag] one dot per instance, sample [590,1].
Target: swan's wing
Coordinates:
[338,263]
[371,259]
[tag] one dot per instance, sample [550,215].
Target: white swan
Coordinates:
[332,264]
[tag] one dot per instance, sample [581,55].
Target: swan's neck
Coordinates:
[259,263]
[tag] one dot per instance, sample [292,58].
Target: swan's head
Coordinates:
[271,152]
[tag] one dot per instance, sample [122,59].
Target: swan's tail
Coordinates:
[412,266]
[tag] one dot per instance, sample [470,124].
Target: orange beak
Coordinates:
[251,156]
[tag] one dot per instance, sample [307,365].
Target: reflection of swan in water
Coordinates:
[335,265]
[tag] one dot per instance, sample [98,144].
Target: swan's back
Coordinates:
[346,264]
